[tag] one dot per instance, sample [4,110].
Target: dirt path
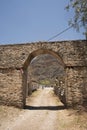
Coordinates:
[45,112]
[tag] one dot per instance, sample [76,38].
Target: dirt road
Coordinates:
[45,112]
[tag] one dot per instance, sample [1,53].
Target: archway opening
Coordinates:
[45,69]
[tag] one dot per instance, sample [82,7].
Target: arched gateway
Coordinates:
[15,59]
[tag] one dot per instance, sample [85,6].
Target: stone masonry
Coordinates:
[15,59]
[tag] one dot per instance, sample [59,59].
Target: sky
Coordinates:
[26,21]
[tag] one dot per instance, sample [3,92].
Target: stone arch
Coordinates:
[31,56]
[13,68]
[42,51]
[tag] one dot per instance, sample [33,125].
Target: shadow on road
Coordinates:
[45,107]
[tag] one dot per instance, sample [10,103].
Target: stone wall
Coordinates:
[72,53]
[11,90]
[76,86]
[73,90]
[60,89]
[14,60]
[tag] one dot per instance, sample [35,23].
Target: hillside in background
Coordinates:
[45,68]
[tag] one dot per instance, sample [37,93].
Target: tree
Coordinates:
[80,14]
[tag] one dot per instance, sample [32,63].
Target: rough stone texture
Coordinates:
[73,53]
[77,85]
[11,91]
[60,88]
[14,60]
